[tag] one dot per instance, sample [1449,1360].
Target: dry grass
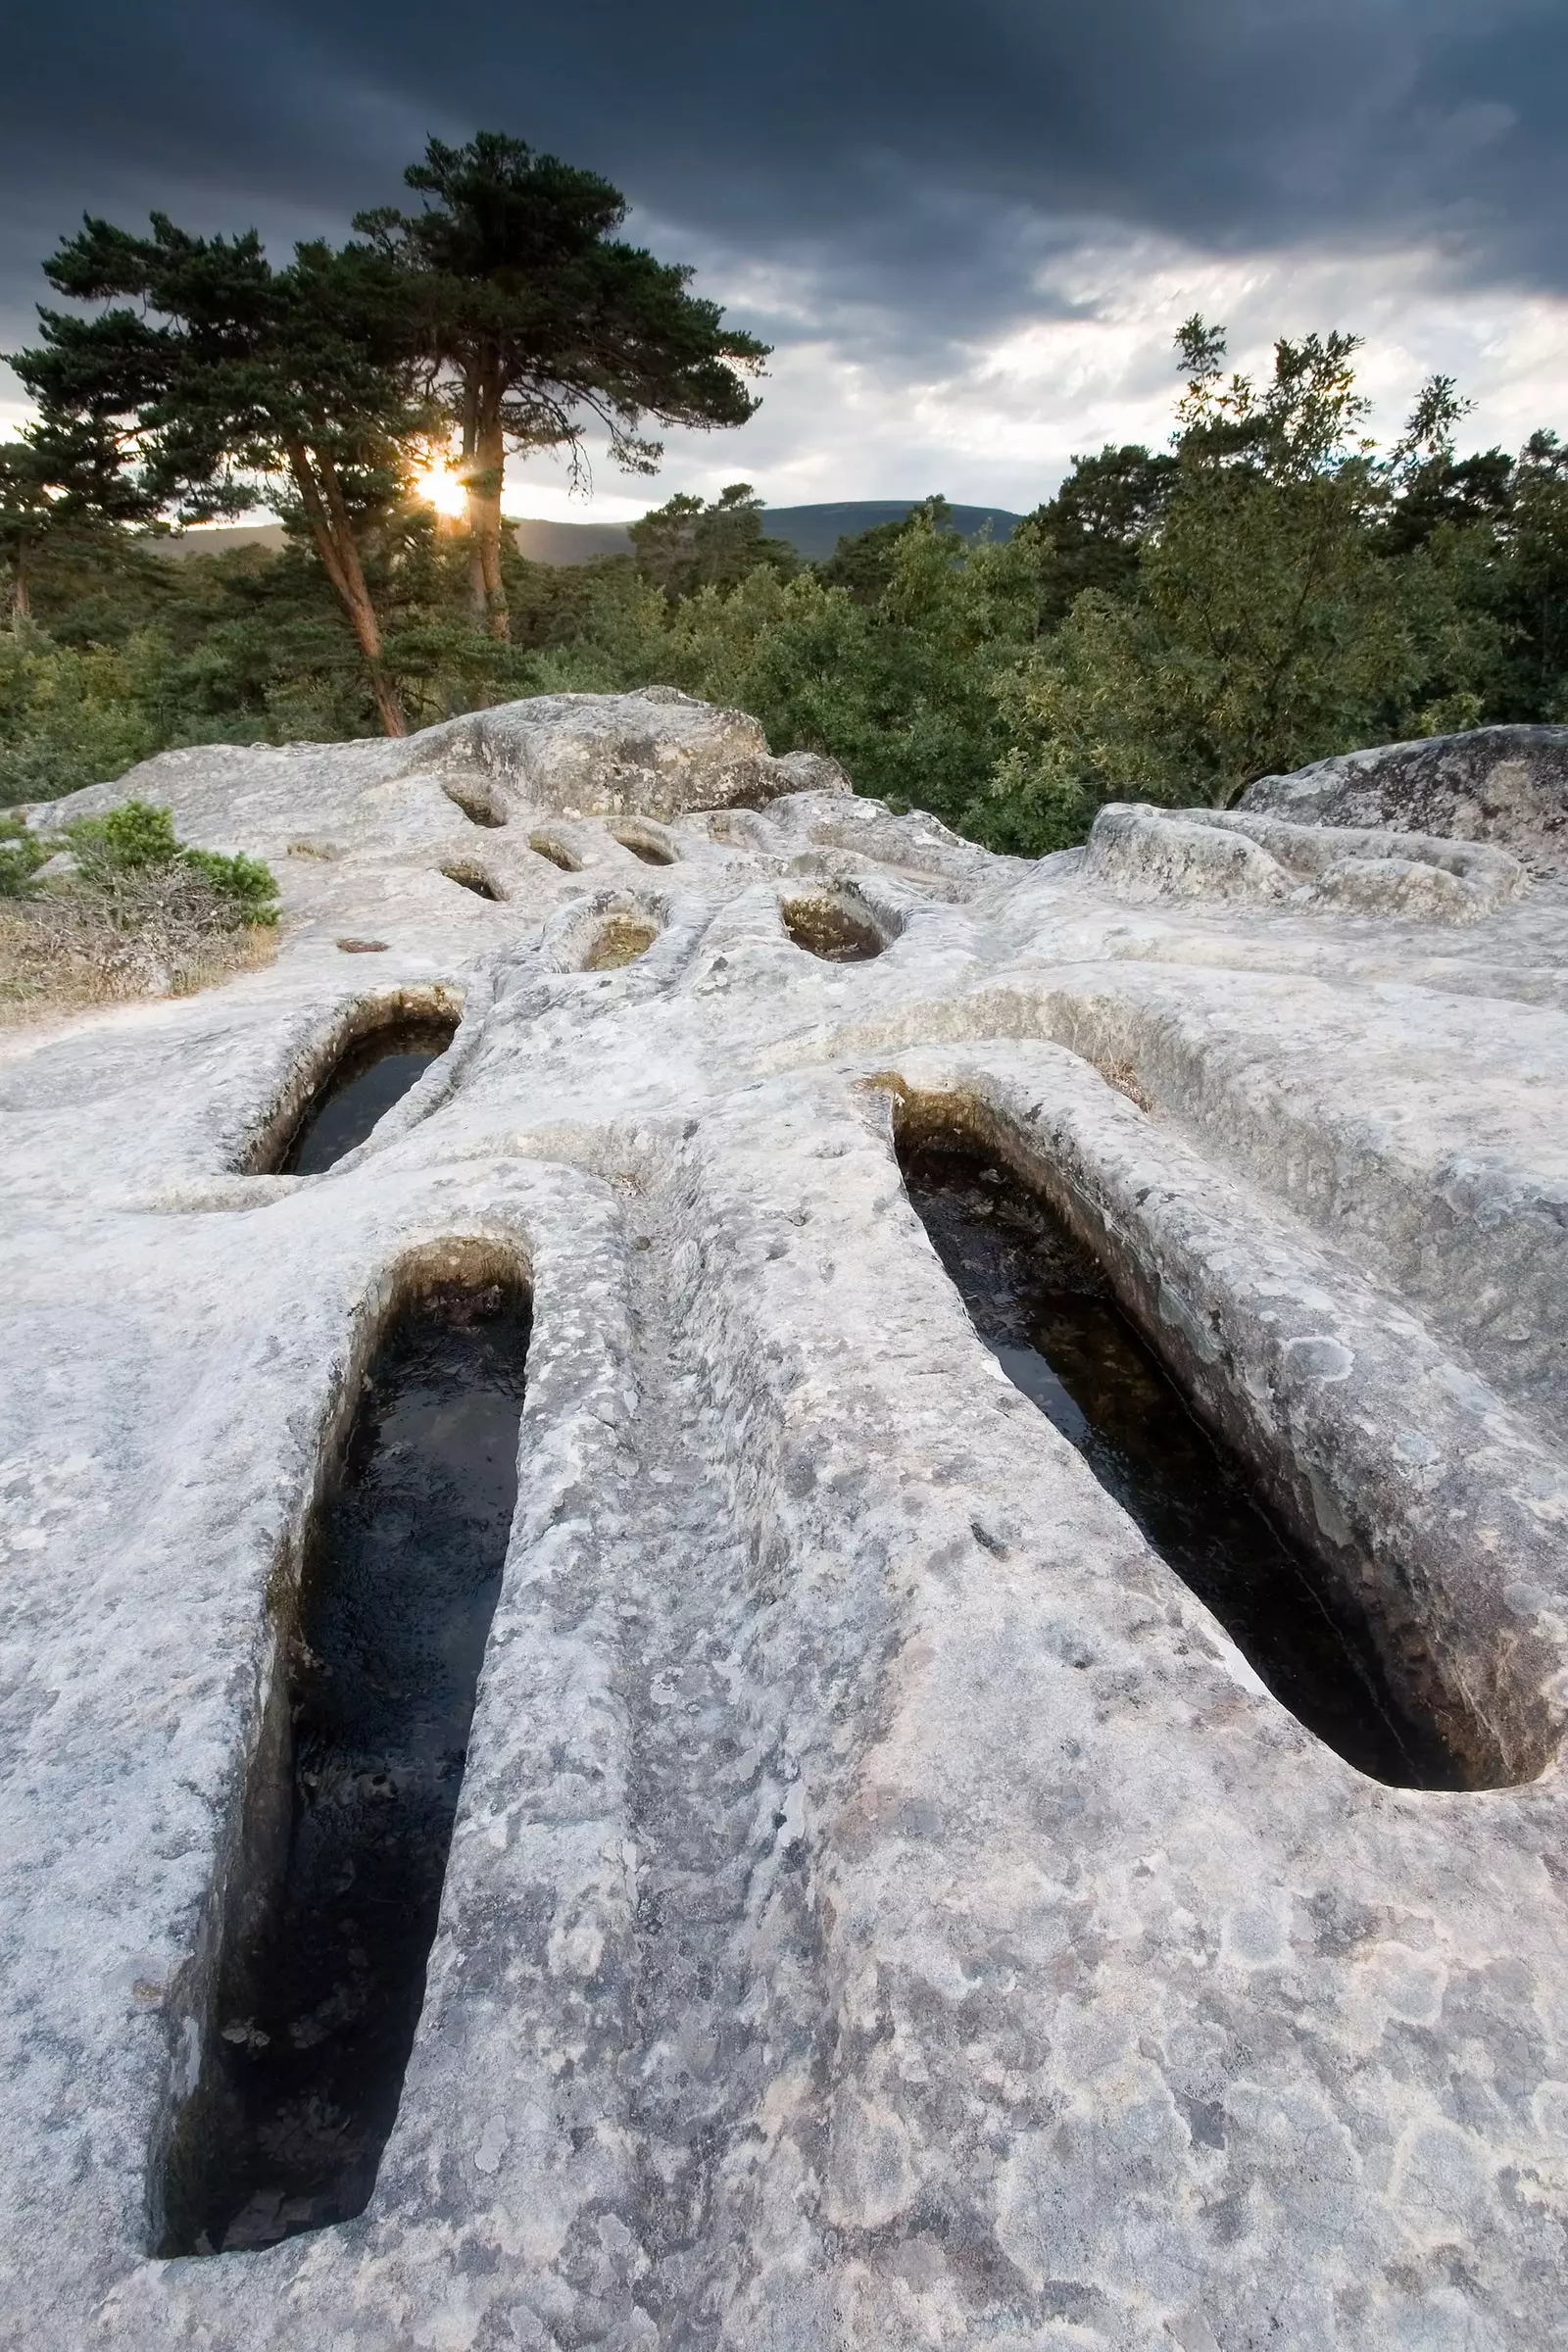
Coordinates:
[619,941]
[153,932]
[1124,1078]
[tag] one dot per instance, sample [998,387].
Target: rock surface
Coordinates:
[885,1909]
[1504,784]
[1144,852]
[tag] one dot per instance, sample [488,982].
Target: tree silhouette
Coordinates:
[537,323]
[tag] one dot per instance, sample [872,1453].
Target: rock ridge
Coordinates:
[885,1907]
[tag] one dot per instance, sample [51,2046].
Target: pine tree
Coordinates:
[538,324]
[226,377]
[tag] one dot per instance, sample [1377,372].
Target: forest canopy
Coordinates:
[1269,587]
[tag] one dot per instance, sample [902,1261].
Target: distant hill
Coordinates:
[570,542]
[815,531]
[218,539]
[541,542]
[812,531]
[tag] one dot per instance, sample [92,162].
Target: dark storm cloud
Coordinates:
[918,160]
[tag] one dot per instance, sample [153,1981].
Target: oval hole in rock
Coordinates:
[1046,1309]
[827,928]
[476,804]
[545,845]
[474,878]
[620,941]
[645,847]
[375,1071]
[327,1931]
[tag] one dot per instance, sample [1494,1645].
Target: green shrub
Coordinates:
[248,884]
[136,838]
[135,834]
[139,913]
[21,854]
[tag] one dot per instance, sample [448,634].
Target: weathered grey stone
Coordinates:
[656,753]
[1504,784]
[885,1909]
[1146,852]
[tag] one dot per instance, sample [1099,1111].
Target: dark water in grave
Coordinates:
[318,2018]
[376,1072]
[1046,1309]
[832,932]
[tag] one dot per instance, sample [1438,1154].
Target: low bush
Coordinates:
[134,912]
[139,839]
[21,854]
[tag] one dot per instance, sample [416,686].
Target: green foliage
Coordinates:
[26,516]
[1168,626]
[1092,533]
[206,383]
[131,653]
[902,689]
[213,371]
[248,886]
[1523,568]
[915,712]
[684,545]
[71,716]
[137,837]
[1267,622]
[862,561]
[128,837]
[135,911]
[1267,633]
[213,380]
[21,854]
[522,286]
[534,320]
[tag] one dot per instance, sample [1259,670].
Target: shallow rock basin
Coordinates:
[835,933]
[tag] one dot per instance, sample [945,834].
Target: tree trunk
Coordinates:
[483,474]
[20,604]
[493,587]
[334,534]
[478,599]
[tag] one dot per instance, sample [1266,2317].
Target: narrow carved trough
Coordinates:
[322,1973]
[376,1070]
[1048,1311]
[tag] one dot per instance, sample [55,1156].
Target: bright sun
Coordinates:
[441,488]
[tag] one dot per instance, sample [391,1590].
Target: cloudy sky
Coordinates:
[969,227]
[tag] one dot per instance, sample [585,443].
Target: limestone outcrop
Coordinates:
[885,1907]
[1504,784]
[1147,853]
